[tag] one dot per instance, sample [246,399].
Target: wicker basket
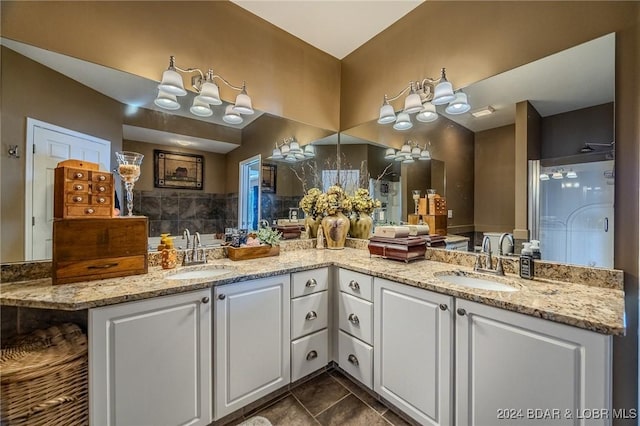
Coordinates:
[45,379]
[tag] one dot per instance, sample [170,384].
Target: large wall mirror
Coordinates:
[472,159]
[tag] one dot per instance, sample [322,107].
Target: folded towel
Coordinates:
[418,229]
[391,231]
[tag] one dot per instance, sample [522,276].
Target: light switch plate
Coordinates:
[450,214]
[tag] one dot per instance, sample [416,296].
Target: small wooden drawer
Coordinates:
[101,200]
[78,174]
[307,282]
[94,269]
[101,188]
[77,187]
[89,211]
[356,283]
[79,198]
[356,358]
[309,314]
[309,354]
[101,177]
[356,317]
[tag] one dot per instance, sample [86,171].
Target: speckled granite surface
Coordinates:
[594,308]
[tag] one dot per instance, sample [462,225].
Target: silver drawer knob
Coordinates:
[461,311]
[353,318]
[311,316]
[311,283]
[221,297]
[205,299]
[312,355]
[443,307]
[353,360]
[353,285]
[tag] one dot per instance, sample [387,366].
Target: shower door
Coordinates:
[575,208]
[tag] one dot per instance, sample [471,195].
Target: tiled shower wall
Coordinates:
[173,211]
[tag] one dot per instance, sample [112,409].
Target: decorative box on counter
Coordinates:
[82,191]
[290,232]
[251,252]
[407,248]
[93,249]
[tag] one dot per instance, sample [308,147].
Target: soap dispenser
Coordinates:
[526,261]
[169,255]
[163,241]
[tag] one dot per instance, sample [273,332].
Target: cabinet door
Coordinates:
[511,368]
[413,351]
[150,362]
[251,341]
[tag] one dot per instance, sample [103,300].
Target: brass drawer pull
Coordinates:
[311,283]
[78,187]
[312,355]
[311,316]
[78,175]
[353,285]
[101,189]
[353,360]
[90,211]
[105,266]
[101,200]
[77,199]
[353,318]
[102,178]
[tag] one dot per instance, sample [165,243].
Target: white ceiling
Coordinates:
[335,27]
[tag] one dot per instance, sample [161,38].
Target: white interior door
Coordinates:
[47,145]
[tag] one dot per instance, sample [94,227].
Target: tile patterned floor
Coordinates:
[330,398]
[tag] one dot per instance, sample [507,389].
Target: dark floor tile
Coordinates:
[358,391]
[287,412]
[351,411]
[320,393]
[396,420]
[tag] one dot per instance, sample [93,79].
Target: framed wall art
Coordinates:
[269,178]
[177,170]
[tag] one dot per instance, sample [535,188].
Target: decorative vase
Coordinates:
[361,226]
[313,223]
[335,228]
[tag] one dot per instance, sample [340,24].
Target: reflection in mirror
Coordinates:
[250,189]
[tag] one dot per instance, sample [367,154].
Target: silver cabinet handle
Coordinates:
[205,299]
[443,307]
[353,360]
[311,283]
[311,316]
[221,297]
[461,311]
[312,355]
[606,224]
[353,318]
[353,285]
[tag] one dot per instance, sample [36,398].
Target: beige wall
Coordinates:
[494,172]
[31,90]
[282,72]
[213,173]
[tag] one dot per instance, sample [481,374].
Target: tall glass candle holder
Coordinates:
[129,171]
[416,198]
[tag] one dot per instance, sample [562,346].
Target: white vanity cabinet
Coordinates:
[511,368]
[251,341]
[413,351]
[309,321]
[355,323]
[150,361]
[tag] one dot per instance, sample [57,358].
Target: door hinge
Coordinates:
[34,148]
[33,221]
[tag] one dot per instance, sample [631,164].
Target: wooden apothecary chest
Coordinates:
[82,191]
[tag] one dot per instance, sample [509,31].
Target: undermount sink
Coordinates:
[465,280]
[199,274]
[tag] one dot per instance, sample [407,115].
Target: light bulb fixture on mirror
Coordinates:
[289,150]
[208,91]
[409,152]
[422,99]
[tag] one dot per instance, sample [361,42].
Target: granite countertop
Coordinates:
[591,307]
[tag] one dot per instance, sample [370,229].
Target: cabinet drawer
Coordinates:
[94,269]
[307,282]
[309,354]
[356,283]
[356,317]
[78,198]
[89,211]
[77,174]
[356,358]
[101,177]
[76,187]
[308,314]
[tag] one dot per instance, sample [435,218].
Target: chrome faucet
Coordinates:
[195,256]
[186,235]
[509,237]
[486,248]
[488,266]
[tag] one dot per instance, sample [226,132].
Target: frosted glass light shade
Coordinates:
[556,175]
[199,108]
[210,93]
[387,114]
[428,113]
[459,105]
[408,160]
[403,122]
[415,152]
[309,151]
[443,93]
[294,148]
[572,175]
[425,155]
[172,83]
[231,116]
[276,154]
[284,149]
[412,103]
[243,104]
[544,176]
[167,101]
[390,154]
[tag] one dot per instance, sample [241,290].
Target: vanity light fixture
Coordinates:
[289,150]
[482,112]
[544,176]
[572,175]
[422,99]
[208,91]
[556,175]
[409,152]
